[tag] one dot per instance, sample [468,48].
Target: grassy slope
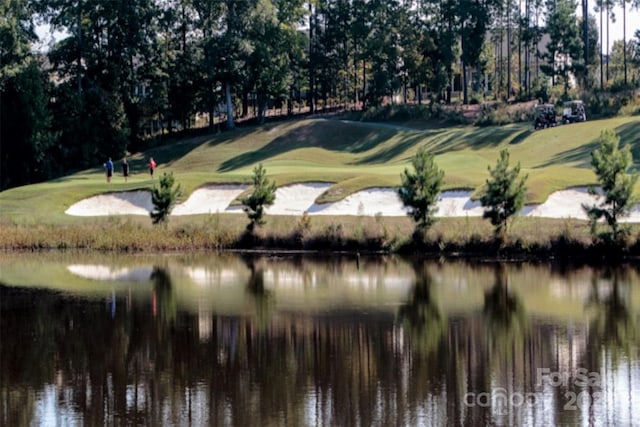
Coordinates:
[351,155]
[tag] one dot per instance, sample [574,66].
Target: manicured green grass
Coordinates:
[351,155]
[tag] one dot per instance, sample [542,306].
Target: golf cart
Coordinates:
[573,111]
[545,116]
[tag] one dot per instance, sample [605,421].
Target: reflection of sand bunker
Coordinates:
[299,282]
[103,272]
[216,278]
[298,198]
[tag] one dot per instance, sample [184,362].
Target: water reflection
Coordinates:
[612,325]
[504,312]
[258,340]
[421,316]
[263,298]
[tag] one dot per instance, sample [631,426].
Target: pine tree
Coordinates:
[564,50]
[420,189]
[503,194]
[264,194]
[610,165]
[164,198]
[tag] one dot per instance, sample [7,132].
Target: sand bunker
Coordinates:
[210,199]
[296,199]
[562,204]
[299,198]
[124,203]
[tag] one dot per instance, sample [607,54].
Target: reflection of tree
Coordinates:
[504,313]
[163,297]
[263,298]
[421,313]
[613,324]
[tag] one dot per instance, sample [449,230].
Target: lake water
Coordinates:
[101,339]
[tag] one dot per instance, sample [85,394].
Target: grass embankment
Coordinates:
[449,237]
[352,156]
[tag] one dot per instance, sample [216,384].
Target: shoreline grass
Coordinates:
[470,237]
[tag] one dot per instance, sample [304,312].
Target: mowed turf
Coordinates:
[351,155]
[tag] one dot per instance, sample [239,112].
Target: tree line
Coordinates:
[126,71]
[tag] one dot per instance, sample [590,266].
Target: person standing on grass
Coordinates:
[125,169]
[109,169]
[152,166]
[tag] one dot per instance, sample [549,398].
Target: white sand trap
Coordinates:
[458,203]
[371,202]
[209,200]
[563,204]
[123,203]
[297,198]
[386,202]
[634,215]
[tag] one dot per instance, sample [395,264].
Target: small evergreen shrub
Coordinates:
[503,195]
[610,165]
[264,194]
[420,189]
[164,198]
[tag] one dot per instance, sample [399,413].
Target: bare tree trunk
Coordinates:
[465,95]
[624,38]
[497,78]
[355,78]
[585,18]
[404,89]
[364,85]
[245,103]
[79,70]
[601,55]
[536,47]
[312,75]
[229,100]
[508,49]
[527,52]
[262,107]
[501,58]
[608,19]
[520,80]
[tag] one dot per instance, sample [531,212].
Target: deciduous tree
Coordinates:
[25,119]
[26,133]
